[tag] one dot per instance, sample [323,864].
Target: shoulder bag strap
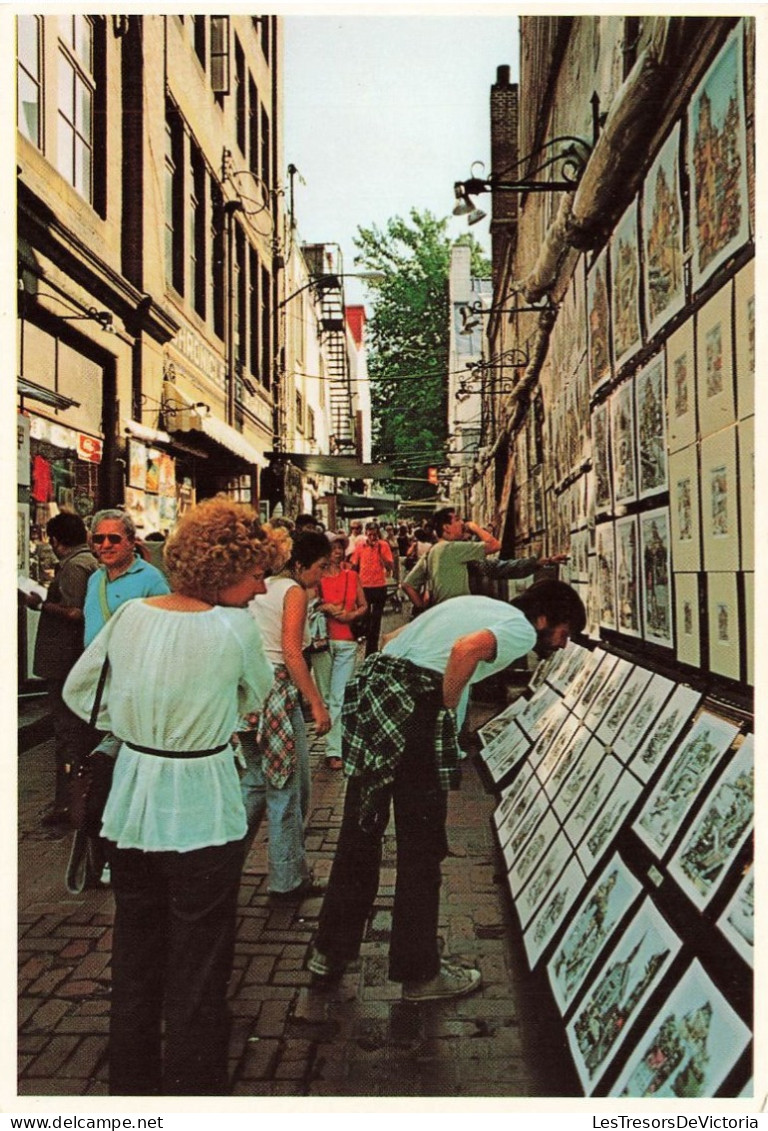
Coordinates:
[99,692]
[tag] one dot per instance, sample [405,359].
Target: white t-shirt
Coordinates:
[267,610]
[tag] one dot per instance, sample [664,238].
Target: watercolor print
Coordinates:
[510,795]
[546,871]
[681,387]
[622,705]
[570,757]
[505,751]
[623,444]
[595,685]
[684,509]
[543,926]
[719,831]
[546,729]
[610,817]
[606,579]
[717,159]
[573,784]
[659,739]
[583,676]
[714,336]
[691,1046]
[557,749]
[641,715]
[625,289]
[688,618]
[657,588]
[571,662]
[529,842]
[536,707]
[724,626]
[627,577]
[669,803]
[719,502]
[600,450]
[663,236]
[544,669]
[744,331]
[607,694]
[738,920]
[599,786]
[598,321]
[651,429]
[618,993]
[593,923]
[501,721]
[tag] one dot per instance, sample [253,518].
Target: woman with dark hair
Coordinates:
[181,668]
[276,750]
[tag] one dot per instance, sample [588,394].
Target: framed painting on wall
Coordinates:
[627,577]
[619,991]
[737,922]
[606,577]
[681,388]
[724,627]
[744,330]
[684,509]
[719,831]
[607,693]
[135,505]
[720,501]
[714,350]
[622,705]
[595,920]
[552,912]
[575,776]
[662,219]
[717,159]
[644,710]
[608,819]
[651,429]
[657,588]
[669,803]
[599,786]
[137,465]
[659,739]
[690,1047]
[625,287]
[688,619]
[600,457]
[746,440]
[598,321]
[622,410]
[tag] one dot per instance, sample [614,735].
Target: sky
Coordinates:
[384,113]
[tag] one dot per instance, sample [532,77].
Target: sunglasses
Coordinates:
[113,539]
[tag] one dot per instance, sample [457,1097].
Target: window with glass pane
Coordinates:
[28,77]
[74,156]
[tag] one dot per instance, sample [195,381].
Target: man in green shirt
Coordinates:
[443,569]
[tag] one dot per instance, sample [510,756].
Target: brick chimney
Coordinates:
[504,156]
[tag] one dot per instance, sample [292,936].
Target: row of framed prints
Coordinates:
[603,764]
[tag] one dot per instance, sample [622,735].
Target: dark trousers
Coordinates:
[377,599]
[173,948]
[73,739]
[420,808]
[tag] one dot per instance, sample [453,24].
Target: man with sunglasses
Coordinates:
[123,575]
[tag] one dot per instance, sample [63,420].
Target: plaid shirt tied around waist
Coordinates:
[274,733]
[379,704]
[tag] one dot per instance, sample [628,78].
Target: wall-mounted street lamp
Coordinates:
[481,375]
[472,314]
[103,317]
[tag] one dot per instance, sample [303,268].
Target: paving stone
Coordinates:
[259,1059]
[86,1057]
[50,1060]
[47,1014]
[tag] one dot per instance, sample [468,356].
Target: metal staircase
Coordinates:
[334,345]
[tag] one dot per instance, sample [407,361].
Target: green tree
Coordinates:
[408,337]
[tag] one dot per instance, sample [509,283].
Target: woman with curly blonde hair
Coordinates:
[181,670]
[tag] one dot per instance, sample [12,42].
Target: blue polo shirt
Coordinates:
[141,580]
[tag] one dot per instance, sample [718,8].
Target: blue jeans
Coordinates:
[332,671]
[286,808]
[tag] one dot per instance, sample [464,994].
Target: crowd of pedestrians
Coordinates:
[210,662]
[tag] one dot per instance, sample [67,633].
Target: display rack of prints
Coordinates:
[500,722]
[546,872]
[662,223]
[505,751]
[602,909]
[669,803]
[618,992]
[675,714]
[552,912]
[592,797]
[719,830]
[603,700]
[624,702]
[608,819]
[641,716]
[657,577]
[737,922]
[595,684]
[581,770]
[689,1049]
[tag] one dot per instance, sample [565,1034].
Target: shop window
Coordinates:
[220,56]
[29,80]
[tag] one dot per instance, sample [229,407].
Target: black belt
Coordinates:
[177,753]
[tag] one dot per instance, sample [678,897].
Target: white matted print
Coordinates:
[598,787]
[589,663]
[618,993]
[610,725]
[714,351]
[547,871]
[581,770]
[681,388]
[606,574]
[720,501]
[650,402]
[657,577]
[669,803]
[501,721]
[547,728]
[569,759]
[625,287]
[676,713]
[600,424]
[509,742]
[724,626]
[602,909]
[622,412]
[607,693]
[641,716]
[608,820]
[746,439]
[690,1047]
[552,912]
[595,684]
[527,846]
[662,220]
[737,922]
[719,831]
[598,321]
[536,706]
[510,796]
[684,507]
[628,577]
[557,749]
[688,619]
[745,340]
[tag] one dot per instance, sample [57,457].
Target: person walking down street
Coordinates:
[123,575]
[276,751]
[58,644]
[181,669]
[400,748]
[342,601]
[373,558]
[441,573]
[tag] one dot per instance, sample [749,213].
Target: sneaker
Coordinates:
[452,981]
[322,967]
[306,889]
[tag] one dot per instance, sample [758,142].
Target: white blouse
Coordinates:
[176,681]
[267,611]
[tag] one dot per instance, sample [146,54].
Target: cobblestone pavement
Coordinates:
[289,1039]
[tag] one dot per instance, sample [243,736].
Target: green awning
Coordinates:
[338,467]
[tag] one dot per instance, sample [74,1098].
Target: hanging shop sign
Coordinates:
[89,448]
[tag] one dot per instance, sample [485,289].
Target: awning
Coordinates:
[338,467]
[35,392]
[192,416]
[362,505]
[148,435]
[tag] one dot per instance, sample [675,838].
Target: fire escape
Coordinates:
[334,343]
